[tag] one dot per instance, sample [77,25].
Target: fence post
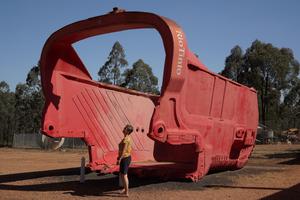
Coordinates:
[82,170]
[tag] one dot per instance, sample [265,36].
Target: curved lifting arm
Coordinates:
[59,45]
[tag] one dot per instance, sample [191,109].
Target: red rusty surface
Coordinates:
[200,122]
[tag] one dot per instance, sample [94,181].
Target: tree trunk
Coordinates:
[263,115]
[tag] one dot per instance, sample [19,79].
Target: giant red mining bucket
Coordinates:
[200,122]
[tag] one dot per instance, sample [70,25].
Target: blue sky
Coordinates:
[212,28]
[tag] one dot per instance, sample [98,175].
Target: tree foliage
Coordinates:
[290,108]
[140,77]
[29,103]
[6,114]
[233,64]
[110,72]
[272,71]
[4,87]
[21,111]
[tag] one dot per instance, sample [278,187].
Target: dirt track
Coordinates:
[273,172]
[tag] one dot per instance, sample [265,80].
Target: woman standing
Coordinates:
[124,157]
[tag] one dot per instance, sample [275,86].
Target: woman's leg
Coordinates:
[126,184]
[124,165]
[123,183]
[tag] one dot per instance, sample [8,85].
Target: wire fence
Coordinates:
[6,139]
[27,140]
[34,140]
[278,126]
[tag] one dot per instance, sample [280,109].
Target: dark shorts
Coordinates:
[124,165]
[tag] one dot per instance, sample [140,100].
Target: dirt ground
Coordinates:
[273,172]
